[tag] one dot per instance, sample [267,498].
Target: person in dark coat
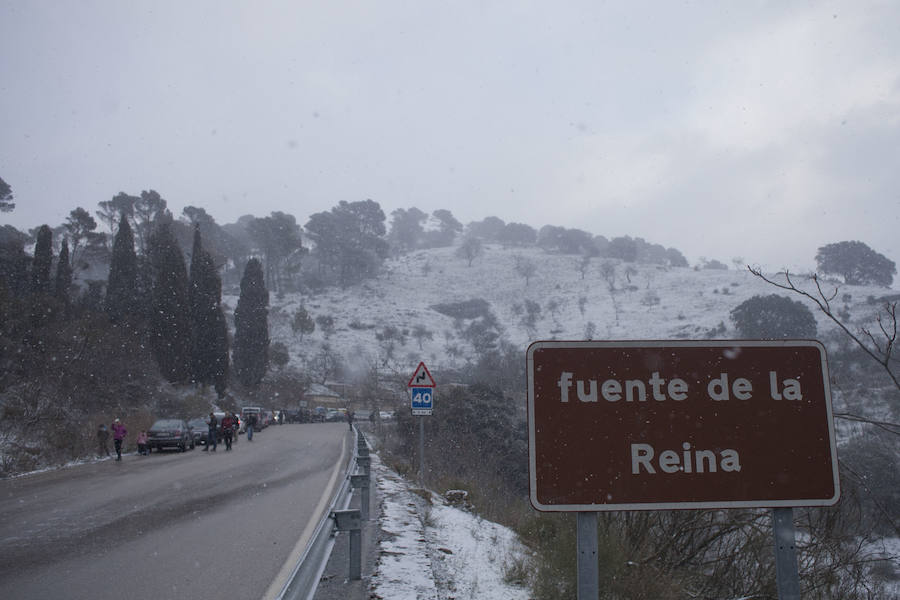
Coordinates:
[350,419]
[251,425]
[213,424]
[227,430]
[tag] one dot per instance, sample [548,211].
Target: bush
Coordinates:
[467,309]
[872,463]
[773,317]
[474,441]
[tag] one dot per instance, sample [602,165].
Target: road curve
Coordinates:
[169,525]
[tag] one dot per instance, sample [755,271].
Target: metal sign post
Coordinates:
[421,396]
[421,452]
[787,579]
[588,567]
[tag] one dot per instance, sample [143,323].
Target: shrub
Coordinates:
[773,317]
[467,309]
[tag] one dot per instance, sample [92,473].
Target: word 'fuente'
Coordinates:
[614,390]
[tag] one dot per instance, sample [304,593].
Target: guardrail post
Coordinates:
[349,520]
[361,482]
[364,462]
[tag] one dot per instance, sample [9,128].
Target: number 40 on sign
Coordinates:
[422,400]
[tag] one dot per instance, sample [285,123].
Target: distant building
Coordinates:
[320,395]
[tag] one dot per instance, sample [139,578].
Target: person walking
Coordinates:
[102,440]
[251,424]
[350,419]
[213,423]
[119,432]
[227,430]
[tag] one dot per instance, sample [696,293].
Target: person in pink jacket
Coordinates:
[142,443]
[119,432]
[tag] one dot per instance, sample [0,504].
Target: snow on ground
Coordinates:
[439,552]
[649,302]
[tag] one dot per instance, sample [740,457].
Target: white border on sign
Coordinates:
[532,461]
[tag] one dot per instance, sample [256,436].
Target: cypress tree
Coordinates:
[251,326]
[121,298]
[63,276]
[43,258]
[40,277]
[14,283]
[170,326]
[220,366]
[209,347]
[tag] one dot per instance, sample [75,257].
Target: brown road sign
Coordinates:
[649,425]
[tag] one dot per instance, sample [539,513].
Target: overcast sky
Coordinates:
[760,130]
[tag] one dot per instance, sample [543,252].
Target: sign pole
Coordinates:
[421,395]
[588,567]
[422,452]
[787,577]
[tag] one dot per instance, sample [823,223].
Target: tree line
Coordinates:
[151,296]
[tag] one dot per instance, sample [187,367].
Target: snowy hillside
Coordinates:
[650,302]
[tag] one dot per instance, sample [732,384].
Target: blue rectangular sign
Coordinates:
[421,400]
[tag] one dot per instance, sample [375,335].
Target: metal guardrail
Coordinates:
[304,579]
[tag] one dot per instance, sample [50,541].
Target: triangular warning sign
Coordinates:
[421,378]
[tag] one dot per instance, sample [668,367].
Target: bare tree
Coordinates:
[584,265]
[525,267]
[608,273]
[470,249]
[877,344]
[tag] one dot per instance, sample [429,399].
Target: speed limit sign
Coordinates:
[421,400]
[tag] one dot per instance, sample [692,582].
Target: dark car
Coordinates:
[301,415]
[200,431]
[170,433]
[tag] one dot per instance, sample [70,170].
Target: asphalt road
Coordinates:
[171,525]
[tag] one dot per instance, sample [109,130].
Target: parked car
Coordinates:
[301,415]
[318,415]
[336,414]
[170,433]
[200,431]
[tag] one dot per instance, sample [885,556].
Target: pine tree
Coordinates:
[170,326]
[121,298]
[63,276]
[6,197]
[209,347]
[251,326]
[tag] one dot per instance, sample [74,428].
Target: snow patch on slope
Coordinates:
[434,551]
